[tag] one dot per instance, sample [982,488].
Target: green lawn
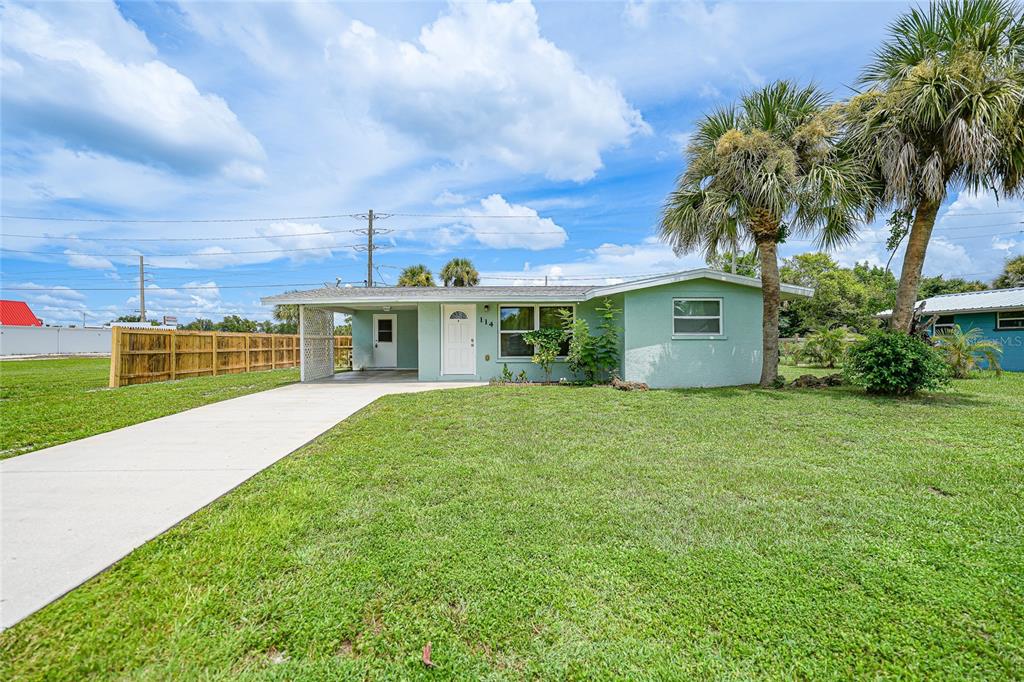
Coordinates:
[587,533]
[48,402]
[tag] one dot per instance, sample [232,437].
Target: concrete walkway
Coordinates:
[72,510]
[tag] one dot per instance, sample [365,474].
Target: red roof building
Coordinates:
[17,313]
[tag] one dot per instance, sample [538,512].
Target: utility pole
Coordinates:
[370,247]
[142,290]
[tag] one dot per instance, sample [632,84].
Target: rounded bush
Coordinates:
[893,363]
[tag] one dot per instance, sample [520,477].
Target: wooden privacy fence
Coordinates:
[142,356]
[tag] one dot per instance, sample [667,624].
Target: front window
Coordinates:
[943,324]
[696,316]
[516,320]
[1010,319]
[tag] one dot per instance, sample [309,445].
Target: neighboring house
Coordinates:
[695,328]
[998,313]
[18,314]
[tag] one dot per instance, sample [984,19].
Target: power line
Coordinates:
[169,287]
[184,255]
[178,220]
[176,239]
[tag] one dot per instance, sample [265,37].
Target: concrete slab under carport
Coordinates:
[72,510]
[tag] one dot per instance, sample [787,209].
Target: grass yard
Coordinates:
[48,402]
[586,533]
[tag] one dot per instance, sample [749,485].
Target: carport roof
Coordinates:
[362,295]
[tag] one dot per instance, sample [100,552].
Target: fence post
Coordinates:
[214,353]
[115,357]
[248,364]
[173,347]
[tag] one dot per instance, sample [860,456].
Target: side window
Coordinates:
[696,316]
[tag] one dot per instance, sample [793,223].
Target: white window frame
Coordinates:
[698,335]
[1011,315]
[945,326]
[536,325]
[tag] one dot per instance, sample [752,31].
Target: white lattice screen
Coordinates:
[316,334]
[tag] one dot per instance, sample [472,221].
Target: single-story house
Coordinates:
[694,328]
[998,313]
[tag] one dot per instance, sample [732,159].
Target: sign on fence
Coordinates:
[142,356]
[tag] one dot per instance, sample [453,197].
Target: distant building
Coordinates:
[18,314]
[998,313]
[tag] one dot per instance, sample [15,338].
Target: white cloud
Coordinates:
[312,236]
[448,198]
[608,263]
[481,84]
[98,85]
[531,232]
[637,13]
[78,260]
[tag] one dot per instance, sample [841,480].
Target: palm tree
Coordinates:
[1012,274]
[945,109]
[459,272]
[963,350]
[757,171]
[416,276]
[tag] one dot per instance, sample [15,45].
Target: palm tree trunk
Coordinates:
[913,262]
[771,295]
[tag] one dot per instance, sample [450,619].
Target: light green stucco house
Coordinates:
[693,328]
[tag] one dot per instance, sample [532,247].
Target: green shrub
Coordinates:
[825,347]
[546,344]
[893,363]
[595,356]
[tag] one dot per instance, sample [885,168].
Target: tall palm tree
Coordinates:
[965,350]
[944,109]
[416,276]
[757,171]
[460,272]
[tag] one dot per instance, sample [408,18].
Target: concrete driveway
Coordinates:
[72,510]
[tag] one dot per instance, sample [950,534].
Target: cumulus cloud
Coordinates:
[529,232]
[481,82]
[609,263]
[303,236]
[78,260]
[96,84]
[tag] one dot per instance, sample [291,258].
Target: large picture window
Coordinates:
[700,316]
[1010,319]
[516,320]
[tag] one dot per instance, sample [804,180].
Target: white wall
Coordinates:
[52,340]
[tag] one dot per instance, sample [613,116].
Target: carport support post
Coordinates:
[302,343]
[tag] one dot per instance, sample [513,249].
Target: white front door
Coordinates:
[385,341]
[458,340]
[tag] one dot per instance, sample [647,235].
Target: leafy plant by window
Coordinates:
[595,356]
[964,350]
[608,351]
[546,343]
[506,374]
[892,363]
[522,378]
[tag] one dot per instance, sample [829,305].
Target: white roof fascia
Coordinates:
[700,273]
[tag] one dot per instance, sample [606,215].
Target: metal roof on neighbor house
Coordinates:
[971,301]
[523,294]
[18,314]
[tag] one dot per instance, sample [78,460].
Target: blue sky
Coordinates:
[570,116]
